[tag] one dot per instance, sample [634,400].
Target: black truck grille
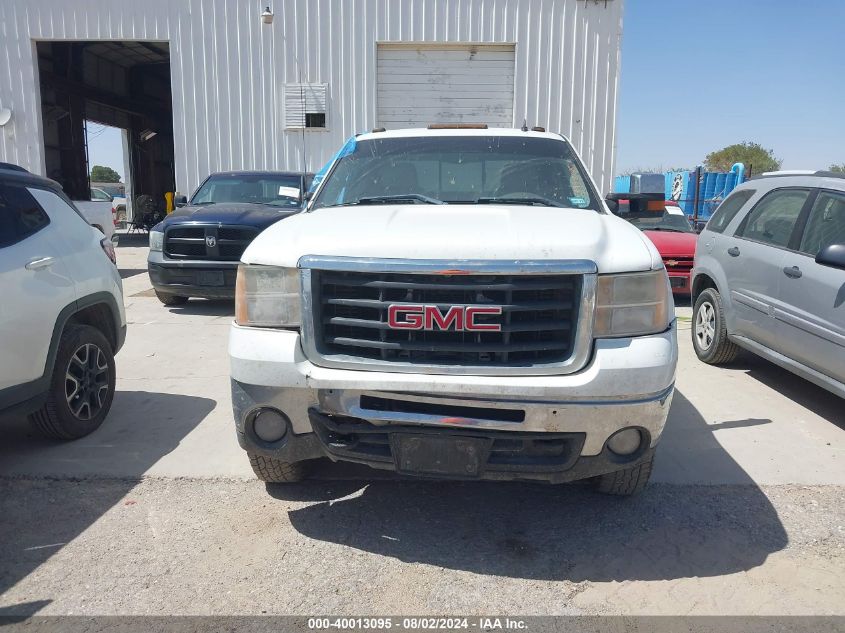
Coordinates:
[538,319]
[220,243]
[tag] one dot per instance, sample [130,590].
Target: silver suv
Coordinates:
[769,276]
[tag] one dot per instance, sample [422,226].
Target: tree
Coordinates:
[839,169]
[750,154]
[100,173]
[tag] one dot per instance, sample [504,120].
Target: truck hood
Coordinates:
[244,214]
[673,244]
[457,232]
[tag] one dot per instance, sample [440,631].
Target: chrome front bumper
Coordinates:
[628,382]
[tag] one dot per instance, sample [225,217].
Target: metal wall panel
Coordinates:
[228,70]
[420,84]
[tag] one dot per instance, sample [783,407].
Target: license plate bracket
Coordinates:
[210,277]
[455,456]
[676,282]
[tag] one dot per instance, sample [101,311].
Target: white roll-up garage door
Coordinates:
[421,84]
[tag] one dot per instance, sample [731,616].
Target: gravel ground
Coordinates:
[202,547]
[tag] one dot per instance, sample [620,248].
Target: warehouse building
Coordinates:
[212,85]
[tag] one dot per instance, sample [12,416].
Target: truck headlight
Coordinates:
[633,304]
[156,240]
[267,296]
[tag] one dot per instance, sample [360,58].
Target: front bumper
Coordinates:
[565,420]
[680,282]
[207,279]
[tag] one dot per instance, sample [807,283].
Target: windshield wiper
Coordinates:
[663,228]
[402,197]
[199,204]
[538,200]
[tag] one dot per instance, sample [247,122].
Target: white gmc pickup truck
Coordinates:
[455,303]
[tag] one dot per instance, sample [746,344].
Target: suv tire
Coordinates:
[171,300]
[709,334]
[275,471]
[628,481]
[81,387]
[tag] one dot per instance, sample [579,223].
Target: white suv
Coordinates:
[61,315]
[455,303]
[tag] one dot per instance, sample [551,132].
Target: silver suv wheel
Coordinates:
[709,333]
[705,325]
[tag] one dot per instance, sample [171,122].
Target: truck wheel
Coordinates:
[275,471]
[171,300]
[709,334]
[81,388]
[625,482]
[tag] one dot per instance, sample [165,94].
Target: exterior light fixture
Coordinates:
[146,135]
[267,16]
[5,116]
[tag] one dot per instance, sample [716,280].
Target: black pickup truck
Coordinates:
[194,252]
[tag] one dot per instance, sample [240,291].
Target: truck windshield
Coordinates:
[270,189]
[457,169]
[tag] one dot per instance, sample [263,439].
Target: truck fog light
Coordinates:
[270,425]
[625,442]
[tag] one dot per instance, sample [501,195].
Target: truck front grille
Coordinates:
[539,315]
[214,242]
[678,264]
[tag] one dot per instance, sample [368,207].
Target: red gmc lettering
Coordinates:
[472,326]
[433,317]
[430,317]
[413,317]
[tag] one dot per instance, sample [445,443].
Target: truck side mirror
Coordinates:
[832,255]
[181,201]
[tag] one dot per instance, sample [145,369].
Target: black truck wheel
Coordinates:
[275,471]
[626,482]
[171,300]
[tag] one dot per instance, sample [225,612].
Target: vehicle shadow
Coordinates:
[205,307]
[536,531]
[820,401]
[125,273]
[141,428]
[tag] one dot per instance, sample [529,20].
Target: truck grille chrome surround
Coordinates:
[210,241]
[546,315]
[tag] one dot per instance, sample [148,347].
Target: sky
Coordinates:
[105,148]
[700,75]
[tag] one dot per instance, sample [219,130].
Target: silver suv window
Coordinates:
[826,224]
[727,211]
[773,219]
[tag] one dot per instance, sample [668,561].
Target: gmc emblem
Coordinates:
[429,317]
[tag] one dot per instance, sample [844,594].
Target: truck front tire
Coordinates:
[274,471]
[171,300]
[626,482]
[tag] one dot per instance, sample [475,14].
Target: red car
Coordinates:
[672,234]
